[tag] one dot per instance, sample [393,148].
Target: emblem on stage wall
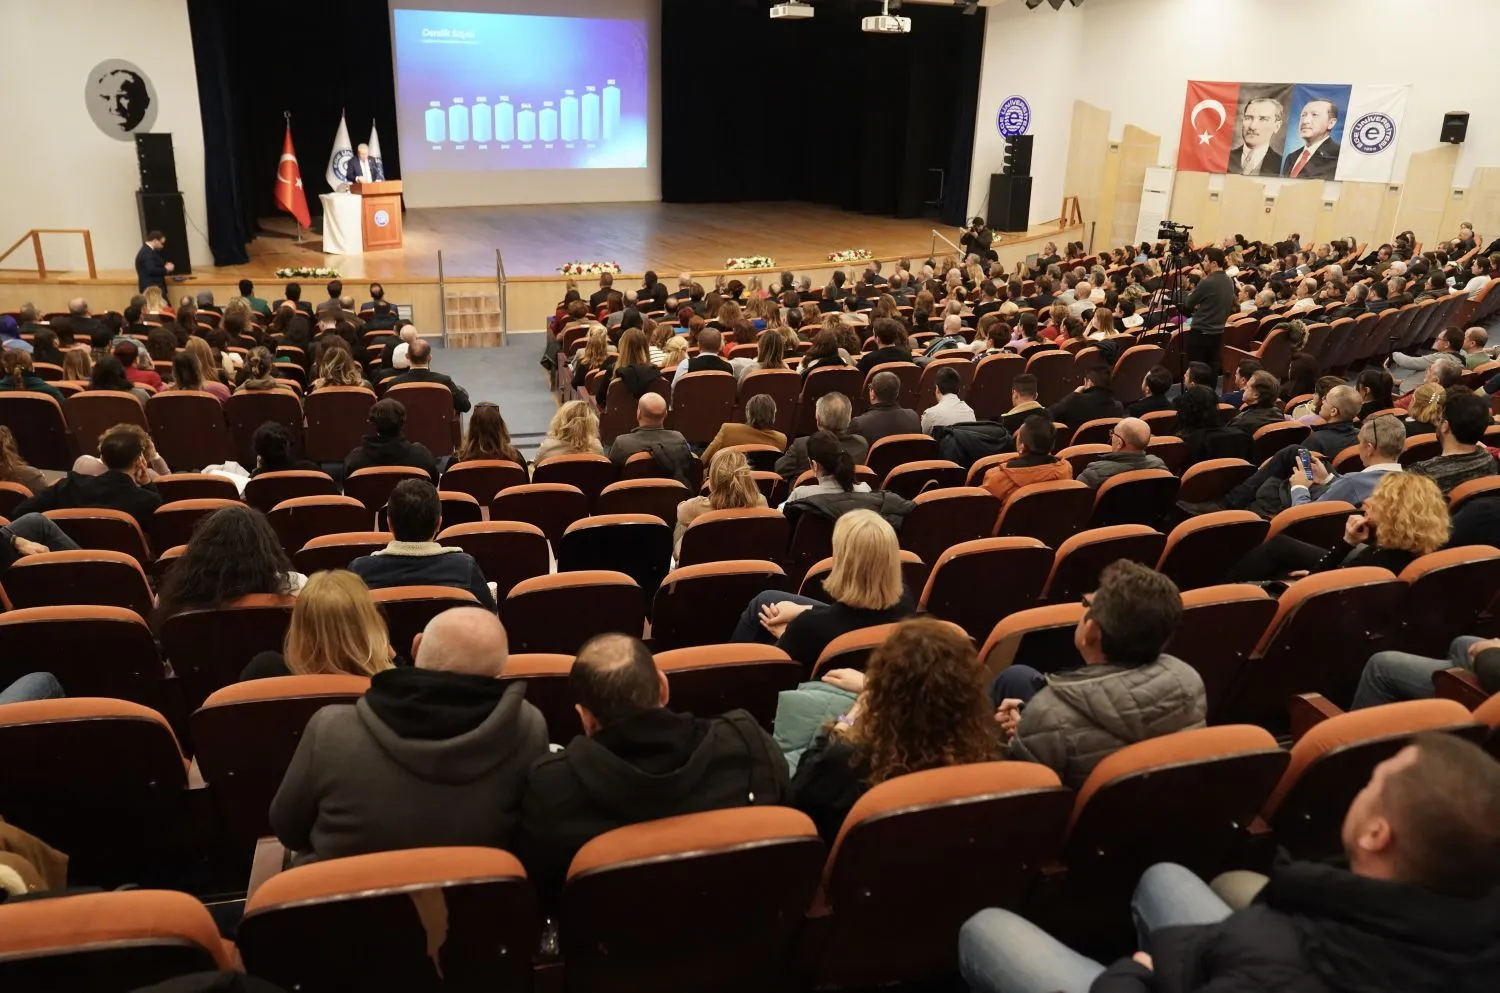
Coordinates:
[1015,116]
[120,99]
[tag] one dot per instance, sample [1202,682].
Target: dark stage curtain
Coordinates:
[755,109]
[313,59]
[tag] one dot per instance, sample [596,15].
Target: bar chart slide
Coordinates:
[590,115]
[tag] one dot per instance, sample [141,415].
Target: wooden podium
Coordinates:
[380,212]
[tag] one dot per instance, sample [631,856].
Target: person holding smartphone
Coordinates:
[1381,440]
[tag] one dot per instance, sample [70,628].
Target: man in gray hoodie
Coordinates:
[430,756]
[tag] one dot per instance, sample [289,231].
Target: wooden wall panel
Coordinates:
[1192,205]
[1101,232]
[1139,150]
[1425,195]
[1299,206]
[1244,210]
[1088,148]
[1480,204]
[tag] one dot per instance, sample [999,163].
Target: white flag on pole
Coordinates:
[1375,117]
[374,143]
[339,158]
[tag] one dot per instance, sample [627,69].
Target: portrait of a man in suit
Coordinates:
[1319,156]
[1260,123]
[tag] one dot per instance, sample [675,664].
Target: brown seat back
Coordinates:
[701,403]
[1446,592]
[338,418]
[188,429]
[248,410]
[590,473]
[1201,550]
[544,614]
[989,394]
[1320,523]
[782,385]
[976,583]
[656,497]
[174,523]
[1221,625]
[301,519]
[743,533]
[701,604]
[1140,496]
[91,413]
[1084,556]
[824,379]
[430,417]
[1212,478]
[947,517]
[265,491]
[372,486]
[87,577]
[912,478]
[895,450]
[483,478]
[710,680]
[408,609]
[209,648]
[337,551]
[507,551]
[1049,512]
[93,651]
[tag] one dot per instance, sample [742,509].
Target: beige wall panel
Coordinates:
[1480,204]
[1103,231]
[1087,149]
[1298,208]
[1139,150]
[1244,210]
[1192,205]
[1424,197]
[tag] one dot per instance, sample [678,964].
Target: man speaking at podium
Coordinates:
[363,168]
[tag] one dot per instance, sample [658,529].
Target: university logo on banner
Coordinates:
[1375,115]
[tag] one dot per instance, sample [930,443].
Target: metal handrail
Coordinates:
[939,236]
[501,279]
[442,299]
[35,237]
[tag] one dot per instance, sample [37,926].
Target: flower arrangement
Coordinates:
[751,262]
[588,268]
[850,255]
[306,272]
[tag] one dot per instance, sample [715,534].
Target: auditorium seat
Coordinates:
[1220,627]
[40,428]
[1131,368]
[1333,758]
[1171,450]
[246,411]
[336,551]
[1447,590]
[1201,550]
[507,551]
[420,919]
[639,545]
[946,517]
[1211,479]
[102,780]
[989,394]
[784,386]
[95,651]
[408,609]
[558,613]
[87,577]
[711,680]
[1041,637]
[590,473]
[742,533]
[762,459]
[984,464]
[546,678]
[737,881]
[196,486]
[91,414]
[852,650]
[174,523]
[1347,461]
[701,402]
[618,415]
[98,527]
[456,508]
[920,854]
[1320,523]
[1080,457]
[338,418]
[11,496]
[210,647]
[927,387]
[301,519]
[1049,512]
[265,491]
[551,507]
[910,375]
[1081,558]
[1099,431]
[108,942]
[822,380]
[1162,423]
[1138,496]
[1053,370]
[642,465]
[656,497]
[430,417]
[895,450]
[373,486]
[1272,438]
[1421,448]
[976,583]
[701,604]
[483,478]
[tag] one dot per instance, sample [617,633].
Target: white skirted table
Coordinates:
[343,228]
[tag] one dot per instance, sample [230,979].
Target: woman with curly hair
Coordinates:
[921,705]
[574,431]
[233,553]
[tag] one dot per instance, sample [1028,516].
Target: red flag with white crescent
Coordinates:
[290,196]
[1207,126]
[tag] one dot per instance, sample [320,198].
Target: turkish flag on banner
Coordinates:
[1208,122]
[290,196]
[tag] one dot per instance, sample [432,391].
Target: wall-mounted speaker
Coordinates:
[1455,127]
[1010,202]
[158,164]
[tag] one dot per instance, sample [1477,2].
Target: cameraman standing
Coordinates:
[1210,304]
[977,241]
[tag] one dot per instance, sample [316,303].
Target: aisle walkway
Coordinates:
[510,377]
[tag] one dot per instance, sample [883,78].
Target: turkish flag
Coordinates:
[1207,126]
[290,196]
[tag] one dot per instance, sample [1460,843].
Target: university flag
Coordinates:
[374,143]
[338,159]
[290,196]
[1207,126]
[1374,119]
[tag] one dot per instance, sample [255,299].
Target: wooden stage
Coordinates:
[464,296]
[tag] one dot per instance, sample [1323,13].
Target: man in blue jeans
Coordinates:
[31,534]
[1390,677]
[1417,909]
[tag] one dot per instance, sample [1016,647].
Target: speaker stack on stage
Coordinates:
[1010,190]
[158,201]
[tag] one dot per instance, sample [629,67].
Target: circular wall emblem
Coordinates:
[120,99]
[1015,116]
[341,160]
[1373,133]
[382,218]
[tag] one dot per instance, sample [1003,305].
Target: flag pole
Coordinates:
[288,115]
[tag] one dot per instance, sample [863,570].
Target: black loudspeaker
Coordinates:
[163,212]
[1455,127]
[1010,202]
[158,164]
[1018,155]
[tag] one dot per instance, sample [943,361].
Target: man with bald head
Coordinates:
[1127,452]
[432,755]
[637,761]
[419,358]
[85,326]
[669,448]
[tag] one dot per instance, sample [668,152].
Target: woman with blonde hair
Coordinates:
[731,486]
[335,630]
[920,704]
[1426,410]
[155,305]
[864,588]
[339,369]
[728,316]
[657,336]
[770,353]
[201,356]
[487,438]
[574,431]
[674,351]
[595,354]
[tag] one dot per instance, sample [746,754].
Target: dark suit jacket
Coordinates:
[884,420]
[460,395]
[641,440]
[1321,166]
[110,491]
[150,269]
[1269,166]
[376,169]
[1077,409]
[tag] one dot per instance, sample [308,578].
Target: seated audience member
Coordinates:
[1128,443]
[1426,410]
[44,348]
[336,367]
[1023,402]
[233,553]
[864,588]
[388,445]
[24,689]
[891,346]
[1411,907]
[1450,341]
[636,761]
[276,451]
[128,352]
[414,558]
[1380,442]
[1465,417]
[634,368]
[1200,425]
[419,360]
[31,534]
[708,359]
[832,413]
[1390,677]
[770,353]
[1196,374]
[260,372]
[1094,398]
[573,430]
[834,468]
[885,416]
[124,485]
[1446,372]
[950,408]
[487,439]
[1127,690]
[1239,379]
[19,374]
[434,754]
[14,468]
[156,466]
[1376,391]
[730,487]
[397,357]
[825,351]
[10,335]
[1154,387]
[109,374]
[921,705]
[1258,408]
[1034,462]
[760,415]
[1404,518]
[336,629]
[669,448]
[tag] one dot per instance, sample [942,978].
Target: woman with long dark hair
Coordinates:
[109,374]
[488,438]
[834,466]
[233,553]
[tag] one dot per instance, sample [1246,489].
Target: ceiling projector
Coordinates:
[794,11]
[886,24]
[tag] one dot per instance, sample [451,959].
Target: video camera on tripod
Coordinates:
[1176,235]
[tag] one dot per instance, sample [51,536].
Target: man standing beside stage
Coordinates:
[150,268]
[1210,305]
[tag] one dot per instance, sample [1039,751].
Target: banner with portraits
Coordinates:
[1292,130]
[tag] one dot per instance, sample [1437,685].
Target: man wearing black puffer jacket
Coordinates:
[1417,910]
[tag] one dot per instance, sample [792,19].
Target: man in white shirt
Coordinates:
[398,356]
[950,407]
[1083,300]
